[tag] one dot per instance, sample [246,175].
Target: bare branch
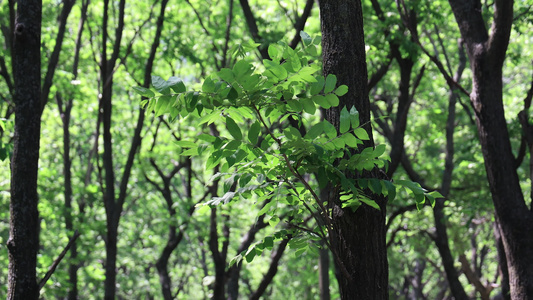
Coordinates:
[54,265]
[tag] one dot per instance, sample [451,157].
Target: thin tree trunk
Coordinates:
[23,242]
[323,274]
[441,238]
[65,113]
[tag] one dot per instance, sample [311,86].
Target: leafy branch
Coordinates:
[276,164]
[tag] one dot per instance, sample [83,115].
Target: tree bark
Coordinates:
[357,238]
[23,242]
[487,54]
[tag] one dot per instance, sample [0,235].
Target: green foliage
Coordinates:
[270,165]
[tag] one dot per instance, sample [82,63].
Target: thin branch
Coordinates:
[54,58]
[58,260]
[300,24]
[229,20]
[523,142]
[378,75]
[400,211]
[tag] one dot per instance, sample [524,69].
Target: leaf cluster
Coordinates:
[264,157]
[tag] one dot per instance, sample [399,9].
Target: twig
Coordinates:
[58,260]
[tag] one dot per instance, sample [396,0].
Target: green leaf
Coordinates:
[143,91]
[159,84]
[321,100]
[207,137]
[420,199]
[369,202]
[245,179]
[317,86]
[295,105]
[273,221]
[391,190]
[361,134]
[344,120]
[331,81]
[250,255]
[233,94]
[186,144]
[275,52]
[350,140]
[226,75]
[268,242]
[236,260]
[379,150]
[354,117]
[436,194]
[190,152]
[330,130]
[233,129]
[413,186]
[253,133]
[208,86]
[306,38]
[164,86]
[309,106]
[162,104]
[341,90]
[315,131]
[176,84]
[332,99]
[242,68]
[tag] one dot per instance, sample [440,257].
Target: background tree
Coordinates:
[487,54]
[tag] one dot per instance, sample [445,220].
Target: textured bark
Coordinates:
[357,238]
[487,54]
[23,242]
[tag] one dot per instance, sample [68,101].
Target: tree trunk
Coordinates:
[23,240]
[487,54]
[357,238]
[323,274]
[441,236]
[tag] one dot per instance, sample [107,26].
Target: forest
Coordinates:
[256,149]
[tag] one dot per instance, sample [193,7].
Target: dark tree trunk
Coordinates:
[487,54]
[441,235]
[65,114]
[219,255]
[323,274]
[23,240]
[357,238]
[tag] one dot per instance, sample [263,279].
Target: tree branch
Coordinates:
[54,265]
